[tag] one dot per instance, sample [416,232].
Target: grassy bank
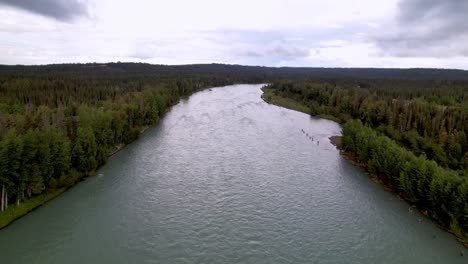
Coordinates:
[16,211]
[270,97]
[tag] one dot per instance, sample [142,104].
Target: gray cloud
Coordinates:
[276,44]
[287,51]
[145,52]
[427,28]
[277,51]
[63,10]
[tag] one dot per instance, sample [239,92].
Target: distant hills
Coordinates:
[252,72]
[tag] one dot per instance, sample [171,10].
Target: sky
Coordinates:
[296,33]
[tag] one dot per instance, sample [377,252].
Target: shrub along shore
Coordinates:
[59,123]
[16,211]
[439,193]
[56,130]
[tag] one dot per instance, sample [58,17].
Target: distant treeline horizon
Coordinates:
[265,73]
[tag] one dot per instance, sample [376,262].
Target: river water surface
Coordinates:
[227,178]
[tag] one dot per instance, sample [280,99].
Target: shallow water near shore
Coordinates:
[227,178]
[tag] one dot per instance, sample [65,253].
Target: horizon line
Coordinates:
[228,64]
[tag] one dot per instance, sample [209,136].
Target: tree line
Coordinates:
[409,134]
[246,73]
[440,193]
[56,129]
[58,123]
[429,118]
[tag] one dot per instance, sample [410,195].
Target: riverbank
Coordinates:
[336,141]
[269,97]
[158,184]
[14,211]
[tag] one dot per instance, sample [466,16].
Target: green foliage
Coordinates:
[16,211]
[410,134]
[10,162]
[443,193]
[58,123]
[270,97]
[85,150]
[56,129]
[410,112]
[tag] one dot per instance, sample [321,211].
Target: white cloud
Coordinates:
[334,33]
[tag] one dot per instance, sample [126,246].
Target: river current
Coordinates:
[227,178]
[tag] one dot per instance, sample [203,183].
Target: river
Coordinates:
[227,178]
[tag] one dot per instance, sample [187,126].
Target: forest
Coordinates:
[56,128]
[410,134]
[438,192]
[59,123]
[429,118]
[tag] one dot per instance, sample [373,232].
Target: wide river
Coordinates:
[227,178]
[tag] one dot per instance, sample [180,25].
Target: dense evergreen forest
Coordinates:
[57,127]
[59,123]
[235,72]
[411,134]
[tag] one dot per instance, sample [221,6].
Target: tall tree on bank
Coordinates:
[10,162]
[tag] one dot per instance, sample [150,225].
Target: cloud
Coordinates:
[275,46]
[427,28]
[63,10]
[340,33]
[279,50]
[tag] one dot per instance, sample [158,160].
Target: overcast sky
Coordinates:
[331,33]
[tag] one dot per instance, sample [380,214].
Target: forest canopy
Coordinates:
[59,123]
[410,134]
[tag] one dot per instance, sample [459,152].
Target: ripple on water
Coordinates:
[226,178]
